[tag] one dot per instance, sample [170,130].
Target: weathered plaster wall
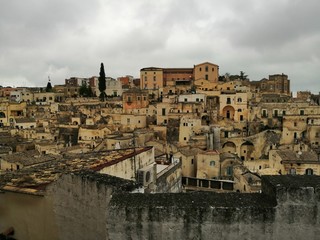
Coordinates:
[30,215]
[127,168]
[170,180]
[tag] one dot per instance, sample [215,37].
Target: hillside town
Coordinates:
[173,130]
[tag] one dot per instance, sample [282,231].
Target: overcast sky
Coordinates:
[66,38]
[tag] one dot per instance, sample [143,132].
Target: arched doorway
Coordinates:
[228,112]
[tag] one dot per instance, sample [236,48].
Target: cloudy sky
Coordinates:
[65,38]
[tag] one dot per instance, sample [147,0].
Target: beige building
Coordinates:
[11,111]
[206,71]
[151,78]
[291,162]
[234,106]
[208,165]
[133,121]
[188,127]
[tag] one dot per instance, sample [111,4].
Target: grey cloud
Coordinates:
[71,38]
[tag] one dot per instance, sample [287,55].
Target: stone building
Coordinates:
[291,162]
[277,83]
[135,99]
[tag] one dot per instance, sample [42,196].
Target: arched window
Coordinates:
[239,99]
[309,171]
[212,163]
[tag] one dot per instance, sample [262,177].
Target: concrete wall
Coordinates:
[288,208]
[80,202]
[169,180]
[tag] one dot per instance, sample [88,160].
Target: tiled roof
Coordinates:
[304,157]
[34,180]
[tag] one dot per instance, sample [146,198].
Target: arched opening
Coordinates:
[205,120]
[228,112]
[229,147]
[2,115]
[246,151]
[309,171]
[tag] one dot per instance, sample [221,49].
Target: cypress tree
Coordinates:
[49,87]
[102,83]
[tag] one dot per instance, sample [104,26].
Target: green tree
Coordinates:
[83,90]
[243,76]
[102,83]
[49,87]
[90,92]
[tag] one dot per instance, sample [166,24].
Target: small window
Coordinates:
[184,138]
[192,161]
[292,171]
[212,163]
[301,112]
[309,171]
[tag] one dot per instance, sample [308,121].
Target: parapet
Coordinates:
[298,189]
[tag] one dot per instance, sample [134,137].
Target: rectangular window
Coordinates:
[275,113]
[163,111]
[301,112]
[207,77]
[264,113]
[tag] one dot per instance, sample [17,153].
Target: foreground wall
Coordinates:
[80,201]
[288,208]
[30,215]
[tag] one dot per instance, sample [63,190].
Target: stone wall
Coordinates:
[170,180]
[286,209]
[80,201]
